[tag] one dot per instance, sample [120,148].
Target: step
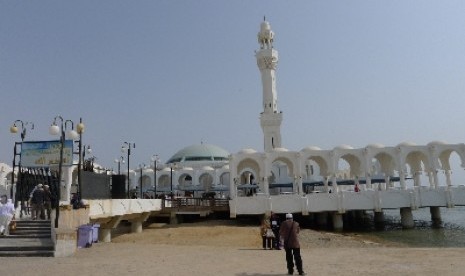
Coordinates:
[45,253]
[26,230]
[32,236]
[39,228]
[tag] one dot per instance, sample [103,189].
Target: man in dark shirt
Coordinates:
[289,232]
[47,200]
[37,202]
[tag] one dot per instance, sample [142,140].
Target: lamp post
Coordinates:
[127,147]
[82,156]
[172,167]
[155,159]
[60,130]
[14,129]
[119,161]
[141,167]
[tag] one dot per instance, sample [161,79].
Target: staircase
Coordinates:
[32,238]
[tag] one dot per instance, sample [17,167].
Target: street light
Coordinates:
[155,159]
[71,134]
[141,167]
[119,161]
[14,129]
[127,147]
[172,166]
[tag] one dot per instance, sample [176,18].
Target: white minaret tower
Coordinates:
[267,59]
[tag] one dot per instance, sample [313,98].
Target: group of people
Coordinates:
[7,213]
[276,235]
[40,201]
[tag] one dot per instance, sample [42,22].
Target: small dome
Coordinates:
[207,168]
[202,152]
[437,143]
[407,144]
[265,26]
[345,147]
[280,149]
[247,151]
[376,146]
[311,148]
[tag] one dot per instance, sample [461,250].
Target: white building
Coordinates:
[278,170]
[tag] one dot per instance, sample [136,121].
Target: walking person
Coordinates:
[37,202]
[47,201]
[266,233]
[7,211]
[275,228]
[289,232]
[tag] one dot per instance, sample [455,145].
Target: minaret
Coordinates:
[267,59]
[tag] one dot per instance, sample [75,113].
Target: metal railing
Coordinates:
[195,204]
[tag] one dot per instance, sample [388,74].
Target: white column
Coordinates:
[431,180]
[368,181]
[416,179]
[334,183]
[67,179]
[387,179]
[325,183]
[448,181]
[266,186]
[402,180]
[436,179]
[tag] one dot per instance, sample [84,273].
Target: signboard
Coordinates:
[46,153]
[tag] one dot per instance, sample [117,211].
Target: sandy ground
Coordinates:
[228,248]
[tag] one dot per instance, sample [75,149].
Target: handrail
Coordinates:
[194,204]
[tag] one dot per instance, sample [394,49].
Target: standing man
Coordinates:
[37,202]
[289,233]
[47,201]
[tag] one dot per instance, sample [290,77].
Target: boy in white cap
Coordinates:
[289,233]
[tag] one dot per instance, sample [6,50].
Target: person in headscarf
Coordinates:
[7,211]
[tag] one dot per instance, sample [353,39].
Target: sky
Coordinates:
[168,74]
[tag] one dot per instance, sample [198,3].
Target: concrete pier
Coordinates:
[435,214]
[379,217]
[322,219]
[338,223]
[406,218]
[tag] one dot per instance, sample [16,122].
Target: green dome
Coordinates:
[202,152]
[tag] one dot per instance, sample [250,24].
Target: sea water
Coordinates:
[450,232]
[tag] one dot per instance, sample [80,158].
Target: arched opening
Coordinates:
[164,183]
[348,172]
[206,181]
[418,163]
[382,170]
[281,179]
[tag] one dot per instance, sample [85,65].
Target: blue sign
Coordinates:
[46,153]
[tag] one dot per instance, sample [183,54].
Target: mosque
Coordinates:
[405,176]
[278,171]
[310,180]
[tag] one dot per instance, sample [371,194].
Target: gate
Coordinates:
[28,178]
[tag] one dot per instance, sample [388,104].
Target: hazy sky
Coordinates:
[169,74]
